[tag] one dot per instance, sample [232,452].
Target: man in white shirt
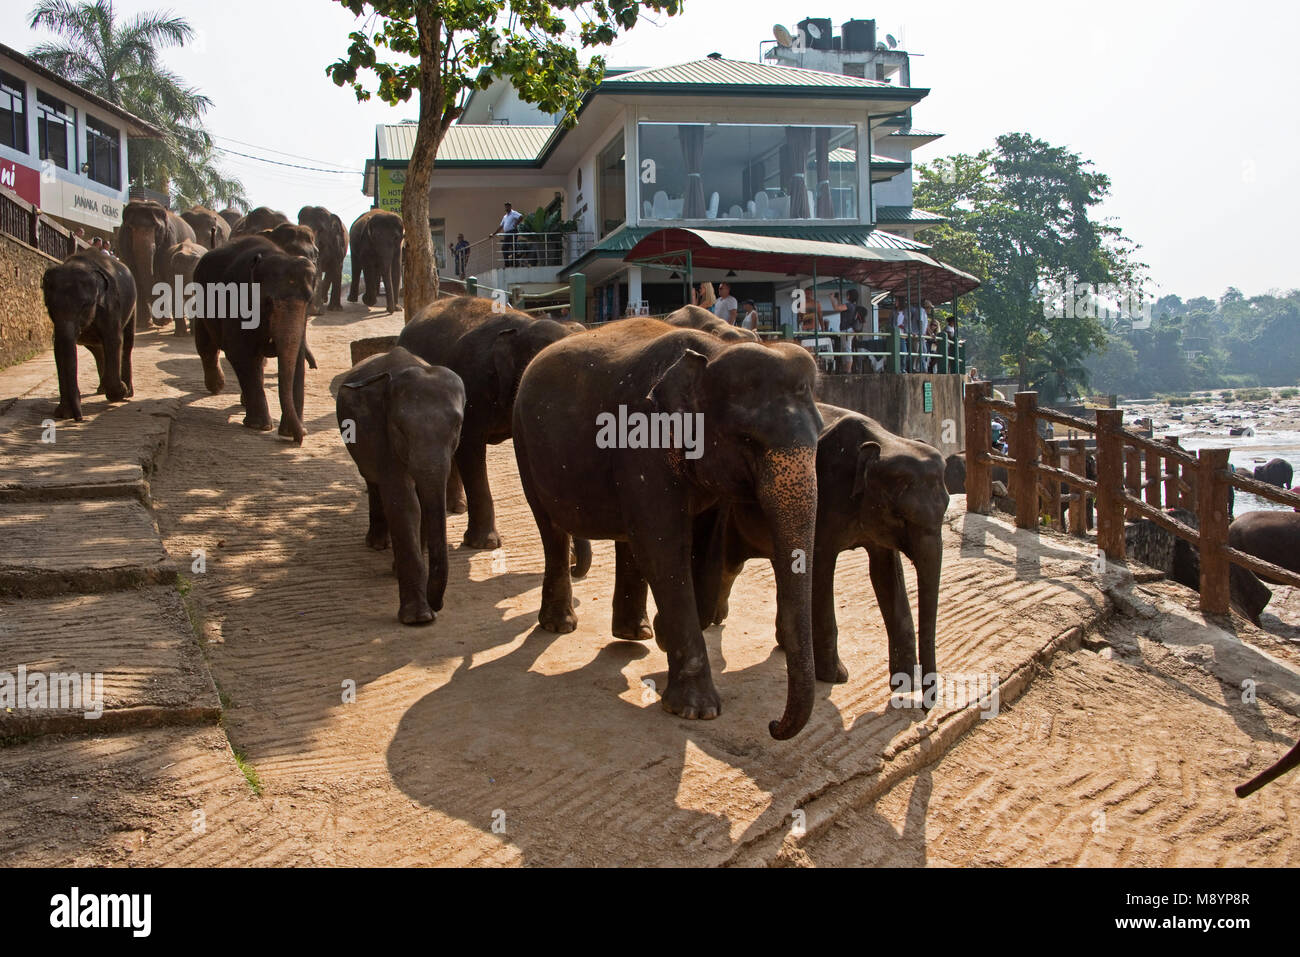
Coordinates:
[726,307]
[509,223]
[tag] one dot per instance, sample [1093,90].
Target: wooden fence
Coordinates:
[23,221]
[1137,477]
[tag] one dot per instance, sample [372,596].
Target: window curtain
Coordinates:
[825,209]
[799,139]
[692,140]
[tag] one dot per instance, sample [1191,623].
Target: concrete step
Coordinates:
[135,651]
[53,547]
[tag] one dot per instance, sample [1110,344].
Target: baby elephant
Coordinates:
[400,419]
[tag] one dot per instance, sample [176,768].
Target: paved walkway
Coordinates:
[483,740]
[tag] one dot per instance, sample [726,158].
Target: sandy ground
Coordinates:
[483,740]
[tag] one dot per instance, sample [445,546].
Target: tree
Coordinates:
[118,59]
[445,48]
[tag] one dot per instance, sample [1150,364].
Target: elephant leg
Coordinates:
[471,462]
[97,351]
[114,347]
[206,345]
[556,614]
[630,619]
[377,535]
[433,540]
[300,382]
[891,596]
[663,553]
[128,346]
[826,649]
[402,509]
[257,415]
[455,492]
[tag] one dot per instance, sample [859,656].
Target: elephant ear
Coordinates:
[678,388]
[504,363]
[868,456]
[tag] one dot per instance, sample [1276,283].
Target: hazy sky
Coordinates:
[1191,112]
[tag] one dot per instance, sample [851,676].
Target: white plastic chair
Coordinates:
[647,210]
[675,207]
[712,211]
[735,212]
[751,210]
[661,206]
[762,205]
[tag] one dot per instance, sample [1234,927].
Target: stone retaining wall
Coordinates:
[25,327]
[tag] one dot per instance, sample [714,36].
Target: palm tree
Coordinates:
[118,59]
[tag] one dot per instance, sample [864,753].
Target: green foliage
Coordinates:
[1253,395]
[118,59]
[1290,392]
[546,219]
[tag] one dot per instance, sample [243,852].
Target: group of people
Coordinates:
[507,229]
[725,306]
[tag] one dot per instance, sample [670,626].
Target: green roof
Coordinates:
[476,143]
[718,72]
[907,214]
[617,244]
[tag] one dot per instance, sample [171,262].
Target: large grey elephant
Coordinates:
[400,420]
[876,491]
[182,260]
[376,242]
[210,229]
[147,232]
[232,216]
[90,297]
[730,421]
[489,350]
[332,243]
[256,220]
[1273,536]
[695,317]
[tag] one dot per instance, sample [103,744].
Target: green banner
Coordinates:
[389,186]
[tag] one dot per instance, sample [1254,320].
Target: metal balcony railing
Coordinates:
[520,251]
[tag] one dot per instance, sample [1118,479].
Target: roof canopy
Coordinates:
[887,267]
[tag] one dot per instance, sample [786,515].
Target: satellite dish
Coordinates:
[881,46]
[889,38]
[814,31]
[783,37]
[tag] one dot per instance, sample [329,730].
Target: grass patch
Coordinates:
[246,767]
[1254,395]
[1290,392]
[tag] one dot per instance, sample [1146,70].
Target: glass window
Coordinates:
[103,153]
[13,112]
[55,123]
[611,203]
[732,171]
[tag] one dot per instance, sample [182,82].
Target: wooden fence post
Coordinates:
[1050,485]
[1173,498]
[1133,477]
[1078,506]
[1212,510]
[1151,477]
[979,439]
[1024,448]
[1110,483]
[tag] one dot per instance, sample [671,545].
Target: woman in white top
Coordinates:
[749,319]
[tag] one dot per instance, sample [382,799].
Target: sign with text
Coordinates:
[82,205]
[389,184]
[23,180]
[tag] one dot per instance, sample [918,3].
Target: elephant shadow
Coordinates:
[582,766]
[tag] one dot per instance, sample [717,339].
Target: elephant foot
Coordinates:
[416,612]
[633,631]
[214,381]
[835,672]
[336,307]
[457,506]
[259,425]
[692,697]
[557,618]
[61,411]
[377,539]
[289,432]
[117,395]
[474,539]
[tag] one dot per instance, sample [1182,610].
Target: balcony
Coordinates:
[511,259]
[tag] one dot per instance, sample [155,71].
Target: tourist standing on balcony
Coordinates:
[460,254]
[702,296]
[726,307]
[750,319]
[509,224]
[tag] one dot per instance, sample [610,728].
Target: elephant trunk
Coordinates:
[65,361]
[288,325]
[927,556]
[1288,761]
[141,263]
[787,493]
[431,488]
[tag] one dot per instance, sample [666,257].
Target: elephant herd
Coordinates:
[739,461]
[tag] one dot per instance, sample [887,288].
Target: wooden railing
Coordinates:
[1132,472]
[23,221]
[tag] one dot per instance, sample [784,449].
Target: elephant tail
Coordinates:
[581,558]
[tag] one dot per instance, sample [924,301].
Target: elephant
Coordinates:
[489,350]
[332,243]
[277,327]
[232,216]
[1275,472]
[954,474]
[210,230]
[875,490]
[182,260]
[91,299]
[147,232]
[586,474]
[253,222]
[376,241]
[1273,536]
[695,317]
[400,419]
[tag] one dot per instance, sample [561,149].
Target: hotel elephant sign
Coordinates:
[390,184]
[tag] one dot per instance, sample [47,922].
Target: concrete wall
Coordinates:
[25,327]
[898,403]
